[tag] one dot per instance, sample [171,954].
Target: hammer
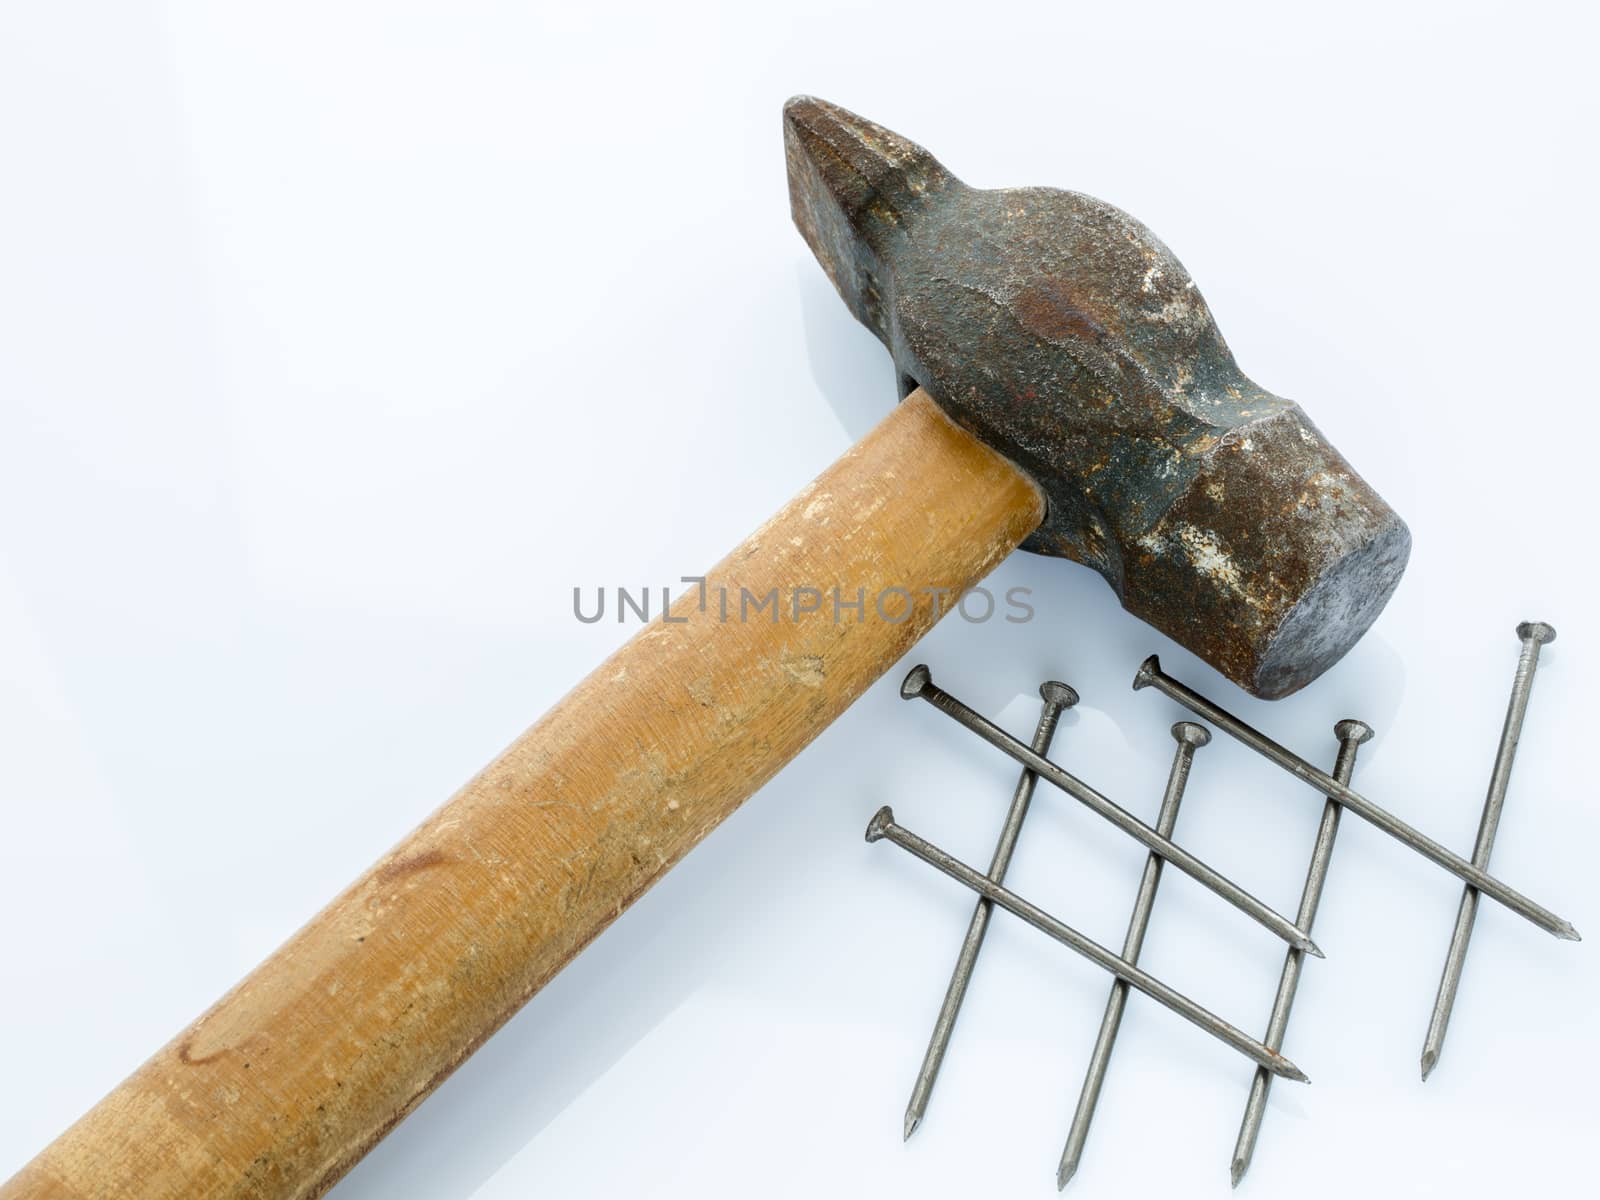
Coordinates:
[1064,389]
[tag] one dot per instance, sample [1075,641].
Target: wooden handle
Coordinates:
[302,1067]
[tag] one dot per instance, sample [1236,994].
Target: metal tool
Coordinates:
[1533,635]
[1151,675]
[919,685]
[882,826]
[1057,697]
[1351,735]
[1063,333]
[1190,737]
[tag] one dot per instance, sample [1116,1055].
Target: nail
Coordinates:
[1533,634]
[919,685]
[1151,675]
[1190,737]
[1057,697]
[1351,735]
[883,826]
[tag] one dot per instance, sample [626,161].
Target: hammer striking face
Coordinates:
[1061,332]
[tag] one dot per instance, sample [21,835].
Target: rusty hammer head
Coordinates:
[1061,332]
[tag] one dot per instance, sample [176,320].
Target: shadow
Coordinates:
[852,369]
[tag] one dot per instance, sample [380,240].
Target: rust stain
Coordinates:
[401,867]
[186,1056]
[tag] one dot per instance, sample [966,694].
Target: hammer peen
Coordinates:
[1065,390]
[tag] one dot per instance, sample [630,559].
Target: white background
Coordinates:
[339,342]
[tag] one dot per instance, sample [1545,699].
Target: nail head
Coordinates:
[1536,631]
[1059,694]
[1351,730]
[914,683]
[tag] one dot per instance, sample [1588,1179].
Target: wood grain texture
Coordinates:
[302,1067]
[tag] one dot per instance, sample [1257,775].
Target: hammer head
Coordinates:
[1061,332]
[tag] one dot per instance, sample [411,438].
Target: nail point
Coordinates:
[1065,1174]
[1567,933]
[914,683]
[1430,1059]
[1236,1172]
[1312,949]
[1287,1070]
[912,1121]
[879,825]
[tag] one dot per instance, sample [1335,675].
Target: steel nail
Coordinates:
[1190,737]
[1057,697]
[1533,635]
[1351,735]
[883,826]
[919,685]
[1151,675]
